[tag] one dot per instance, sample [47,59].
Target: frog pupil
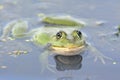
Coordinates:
[59,35]
[79,34]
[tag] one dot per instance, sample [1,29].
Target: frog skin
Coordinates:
[60,40]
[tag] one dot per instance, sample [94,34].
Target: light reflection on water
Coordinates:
[28,67]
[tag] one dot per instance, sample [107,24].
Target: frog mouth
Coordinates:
[68,50]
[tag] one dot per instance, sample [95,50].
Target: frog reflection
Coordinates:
[68,62]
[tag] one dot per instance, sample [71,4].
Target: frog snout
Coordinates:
[70,37]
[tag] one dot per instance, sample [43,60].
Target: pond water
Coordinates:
[28,67]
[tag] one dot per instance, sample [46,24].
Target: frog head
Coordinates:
[61,39]
[64,40]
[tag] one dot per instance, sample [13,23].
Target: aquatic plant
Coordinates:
[17,28]
[62,21]
[20,29]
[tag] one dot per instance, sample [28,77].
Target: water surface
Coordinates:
[27,67]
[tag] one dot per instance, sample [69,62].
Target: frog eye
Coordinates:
[76,34]
[79,33]
[61,34]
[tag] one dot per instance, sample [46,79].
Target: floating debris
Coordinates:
[3,40]
[14,48]
[1,7]
[3,67]
[114,62]
[99,23]
[18,52]
[10,38]
[28,40]
[40,14]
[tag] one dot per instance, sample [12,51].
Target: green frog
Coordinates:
[62,40]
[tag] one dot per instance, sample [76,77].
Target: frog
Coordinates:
[56,40]
[66,42]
